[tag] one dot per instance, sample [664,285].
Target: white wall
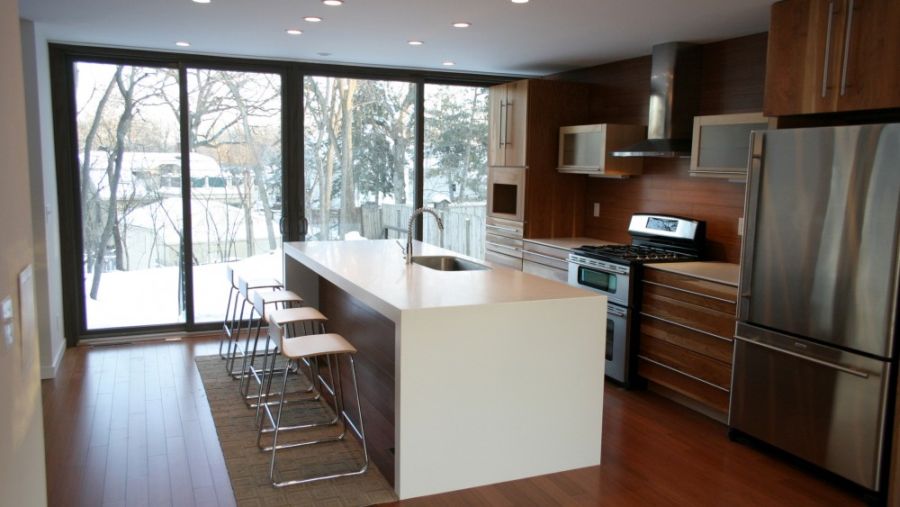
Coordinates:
[22,472]
[44,215]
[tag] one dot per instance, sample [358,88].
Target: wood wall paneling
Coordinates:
[732,81]
[373,336]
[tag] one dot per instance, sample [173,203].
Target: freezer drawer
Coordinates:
[821,404]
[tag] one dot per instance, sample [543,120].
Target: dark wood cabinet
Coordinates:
[686,336]
[832,56]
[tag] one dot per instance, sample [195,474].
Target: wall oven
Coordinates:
[506,193]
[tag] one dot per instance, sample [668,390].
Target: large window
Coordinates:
[173,167]
[359,176]
[456,139]
[134,190]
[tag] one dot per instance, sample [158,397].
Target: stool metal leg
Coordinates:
[343,415]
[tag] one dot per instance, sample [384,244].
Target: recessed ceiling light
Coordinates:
[519,1]
[448,63]
[293,31]
[201,1]
[323,53]
[415,43]
[333,3]
[312,19]
[183,44]
[462,24]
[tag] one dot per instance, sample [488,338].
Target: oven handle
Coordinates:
[611,310]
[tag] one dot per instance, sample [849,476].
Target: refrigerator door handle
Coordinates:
[827,364]
[751,206]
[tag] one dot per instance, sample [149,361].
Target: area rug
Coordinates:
[248,466]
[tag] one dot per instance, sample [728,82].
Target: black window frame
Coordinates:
[63,58]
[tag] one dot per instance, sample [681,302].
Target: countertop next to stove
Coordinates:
[569,243]
[721,272]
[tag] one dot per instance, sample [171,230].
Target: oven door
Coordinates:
[608,281]
[617,343]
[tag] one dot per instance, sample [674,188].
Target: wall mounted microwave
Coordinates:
[586,149]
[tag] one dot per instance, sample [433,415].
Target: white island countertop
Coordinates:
[467,377]
[375,273]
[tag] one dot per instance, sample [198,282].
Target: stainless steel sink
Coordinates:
[447,263]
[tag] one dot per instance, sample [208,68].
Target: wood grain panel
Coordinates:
[712,289]
[708,395]
[873,71]
[732,77]
[373,336]
[726,308]
[717,348]
[554,202]
[698,317]
[686,361]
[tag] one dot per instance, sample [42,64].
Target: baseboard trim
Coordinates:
[49,371]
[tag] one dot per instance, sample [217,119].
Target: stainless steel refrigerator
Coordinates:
[817,315]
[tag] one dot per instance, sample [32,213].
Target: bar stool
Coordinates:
[246,292]
[263,304]
[312,347]
[286,323]
[232,323]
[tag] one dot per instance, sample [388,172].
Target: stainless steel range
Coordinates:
[613,271]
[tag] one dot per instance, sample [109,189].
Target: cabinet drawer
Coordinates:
[716,348]
[704,393]
[495,259]
[546,260]
[696,317]
[698,366]
[652,289]
[544,271]
[550,251]
[692,285]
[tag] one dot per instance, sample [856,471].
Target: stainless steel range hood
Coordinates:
[674,96]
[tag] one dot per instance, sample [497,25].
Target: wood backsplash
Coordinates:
[733,77]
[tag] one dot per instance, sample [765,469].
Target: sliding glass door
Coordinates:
[129,174]
[235,181]
[144,211]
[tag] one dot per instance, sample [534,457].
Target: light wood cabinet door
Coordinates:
[870,64]
[801,68]
[496,122]
[516,124]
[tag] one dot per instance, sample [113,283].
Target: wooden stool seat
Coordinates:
[290,315]
[263,283]
[314,345]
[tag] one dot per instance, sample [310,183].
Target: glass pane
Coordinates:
[359,148]
[456,140]
[130,167]
[235,136]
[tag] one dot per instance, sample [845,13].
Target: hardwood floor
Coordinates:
[130,425]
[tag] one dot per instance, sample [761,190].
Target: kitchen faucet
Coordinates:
[407,255]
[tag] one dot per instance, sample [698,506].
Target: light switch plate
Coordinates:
[7,308]
[596,209]
[741,226]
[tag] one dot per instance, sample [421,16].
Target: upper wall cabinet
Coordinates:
[832,55]
[721,144]
[508,120]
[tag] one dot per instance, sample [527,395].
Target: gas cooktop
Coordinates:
[654,238]
[627,254]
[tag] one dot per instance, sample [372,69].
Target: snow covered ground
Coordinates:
[150,296]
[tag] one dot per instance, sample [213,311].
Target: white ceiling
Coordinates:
[537,38]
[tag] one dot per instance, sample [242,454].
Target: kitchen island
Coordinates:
[467,377]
